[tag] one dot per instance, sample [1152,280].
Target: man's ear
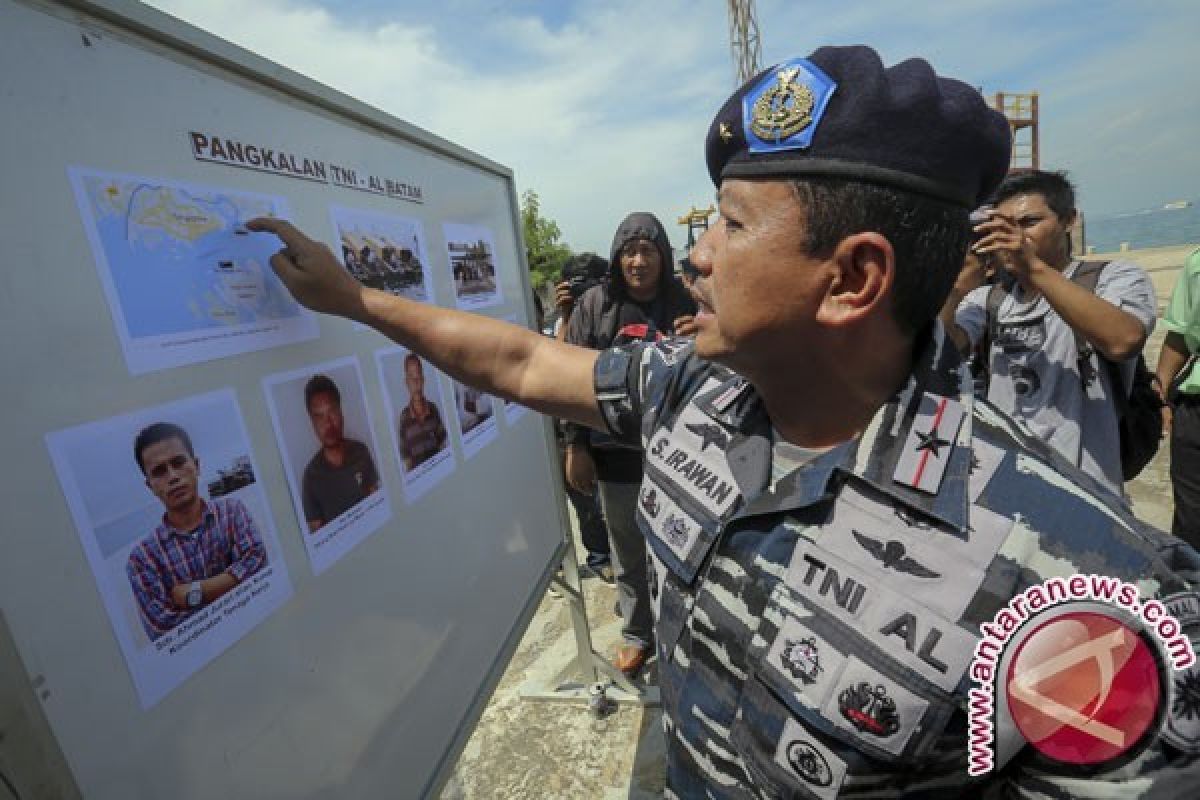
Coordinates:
[864,269]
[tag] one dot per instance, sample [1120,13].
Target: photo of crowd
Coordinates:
[384,252]
[471,254]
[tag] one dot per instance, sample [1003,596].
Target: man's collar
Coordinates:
[876,454]
[205,518]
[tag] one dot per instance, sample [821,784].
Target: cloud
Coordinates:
[604,114]
[601,107]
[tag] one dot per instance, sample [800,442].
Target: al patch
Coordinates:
[933,647]
[815,766]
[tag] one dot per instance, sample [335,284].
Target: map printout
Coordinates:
[185,280]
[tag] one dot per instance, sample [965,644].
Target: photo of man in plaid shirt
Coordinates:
[201,549]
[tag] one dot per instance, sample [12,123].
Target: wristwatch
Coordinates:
[195,595]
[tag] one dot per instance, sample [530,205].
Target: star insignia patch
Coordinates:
[929,444]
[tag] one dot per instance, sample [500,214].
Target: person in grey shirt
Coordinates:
[1036,374]
[340,474]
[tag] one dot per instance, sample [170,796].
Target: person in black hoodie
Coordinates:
[642,301]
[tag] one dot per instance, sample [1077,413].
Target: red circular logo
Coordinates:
[1083,688]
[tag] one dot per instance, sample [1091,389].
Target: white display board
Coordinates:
[347,656]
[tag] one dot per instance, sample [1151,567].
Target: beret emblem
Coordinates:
[725,133]
[783,110]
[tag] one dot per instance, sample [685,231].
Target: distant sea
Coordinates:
[1151,227]
[117,533]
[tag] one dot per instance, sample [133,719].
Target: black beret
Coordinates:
[841,113]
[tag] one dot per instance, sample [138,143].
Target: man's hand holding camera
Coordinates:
[1004,240]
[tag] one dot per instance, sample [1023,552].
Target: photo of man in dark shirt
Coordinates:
[422,433]
[341,473]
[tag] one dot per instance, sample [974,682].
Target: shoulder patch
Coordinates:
[1181,728]
[929,443]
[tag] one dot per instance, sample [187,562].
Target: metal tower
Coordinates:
[743,40]
[1021,108]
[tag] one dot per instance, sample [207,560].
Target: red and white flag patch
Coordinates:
[930,442]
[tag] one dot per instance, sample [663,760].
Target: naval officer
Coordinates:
[831,520]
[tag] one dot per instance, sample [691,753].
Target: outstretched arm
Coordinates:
[499,358]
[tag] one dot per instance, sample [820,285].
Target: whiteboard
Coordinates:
[367,680]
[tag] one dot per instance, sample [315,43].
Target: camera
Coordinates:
[978,217]
[583,271]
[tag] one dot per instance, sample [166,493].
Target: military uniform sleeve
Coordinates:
[971,314]
[631,383]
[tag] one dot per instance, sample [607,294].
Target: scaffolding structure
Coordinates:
[743,40]
[1021,109]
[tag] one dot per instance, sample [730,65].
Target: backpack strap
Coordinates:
[1087,275]
[991,313]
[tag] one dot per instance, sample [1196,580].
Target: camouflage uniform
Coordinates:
[814,631]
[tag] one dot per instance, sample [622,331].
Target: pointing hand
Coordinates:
[310,271]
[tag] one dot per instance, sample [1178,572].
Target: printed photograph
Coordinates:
[471,254]
[413,389]
[184,278]
[476,418]
[177,530]
[323,429]
[384,251]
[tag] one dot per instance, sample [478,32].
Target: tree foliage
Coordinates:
[543,242]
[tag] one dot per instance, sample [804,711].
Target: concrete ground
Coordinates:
[531,749]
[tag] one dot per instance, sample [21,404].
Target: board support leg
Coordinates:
[590,668]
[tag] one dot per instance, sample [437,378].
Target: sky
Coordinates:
[601,106]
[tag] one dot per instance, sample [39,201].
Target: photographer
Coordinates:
[580,273]
[640,301]
[1049,333]
[977,270]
